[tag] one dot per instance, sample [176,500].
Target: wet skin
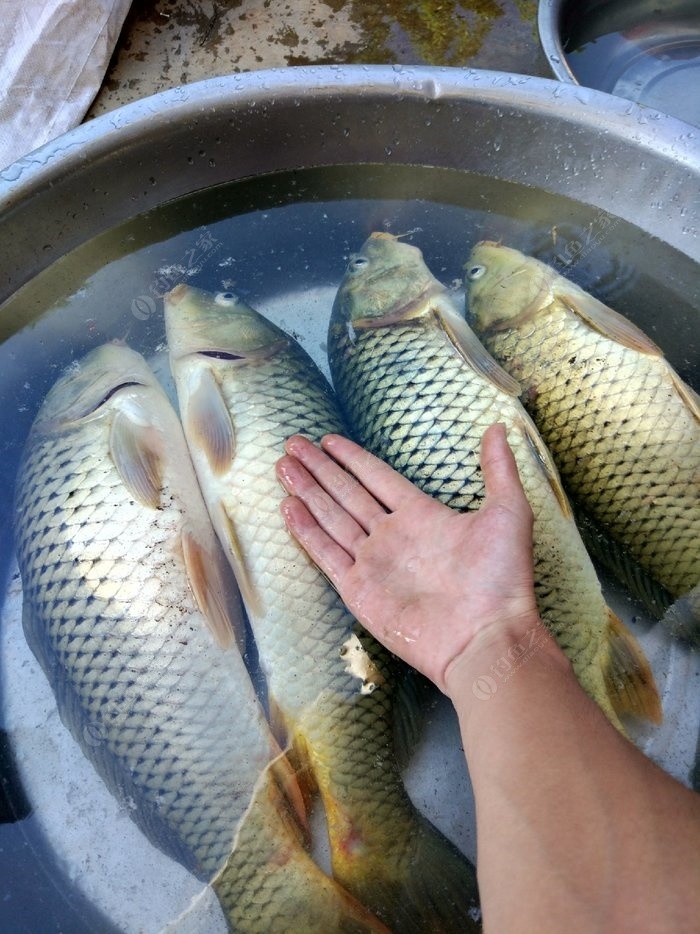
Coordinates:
[401,559]
[560,794]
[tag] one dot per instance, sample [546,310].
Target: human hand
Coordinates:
[427,581]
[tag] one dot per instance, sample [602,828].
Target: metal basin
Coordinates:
[126,162]
[553,156]
[643,51]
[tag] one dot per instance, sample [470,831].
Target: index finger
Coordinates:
[384,483]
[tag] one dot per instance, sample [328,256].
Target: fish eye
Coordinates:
[357,263]
[476,272]
[227,299]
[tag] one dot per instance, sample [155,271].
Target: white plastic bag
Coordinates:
[53,57]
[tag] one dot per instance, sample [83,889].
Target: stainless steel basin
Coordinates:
[581,151]
[583,144]
[645,51]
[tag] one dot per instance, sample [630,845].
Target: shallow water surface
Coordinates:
[282,242]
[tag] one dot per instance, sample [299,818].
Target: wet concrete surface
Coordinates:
[165,43]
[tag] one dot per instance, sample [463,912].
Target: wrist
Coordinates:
[496,653]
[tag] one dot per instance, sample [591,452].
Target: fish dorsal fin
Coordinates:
[137,452]
[209,424]
[220,607]
[234,552]
[609,323]
[616,327]
[471,349]
[628,678]
[545,463]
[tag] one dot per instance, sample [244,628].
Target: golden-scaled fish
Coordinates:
[244,386]
[419,390]
[623,428]
[131,609]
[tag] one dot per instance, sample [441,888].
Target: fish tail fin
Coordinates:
[628,678]
[416,881]
[682,618]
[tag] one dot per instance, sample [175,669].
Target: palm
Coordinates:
[421,577]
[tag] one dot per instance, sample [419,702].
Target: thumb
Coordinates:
[501,477]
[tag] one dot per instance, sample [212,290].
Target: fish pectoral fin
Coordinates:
[628,678]
[286,778]
[471,349]
[690,398]
[209,424]
[136,450]
[232,546]
[609,323]
[291,738]
[215,595]
[544,462]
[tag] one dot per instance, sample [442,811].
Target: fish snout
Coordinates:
[176,295]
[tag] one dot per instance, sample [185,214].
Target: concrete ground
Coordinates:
[165,43]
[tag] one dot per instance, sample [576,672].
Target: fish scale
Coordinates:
[419,391]
[82,625]
[619,435]
[150,683]
[363,375]
[274,562]
[341,730]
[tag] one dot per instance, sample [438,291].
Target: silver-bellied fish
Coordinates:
[132,611]
[623,428]
[244,386]
[419,390]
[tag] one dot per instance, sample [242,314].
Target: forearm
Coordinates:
[601,839]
